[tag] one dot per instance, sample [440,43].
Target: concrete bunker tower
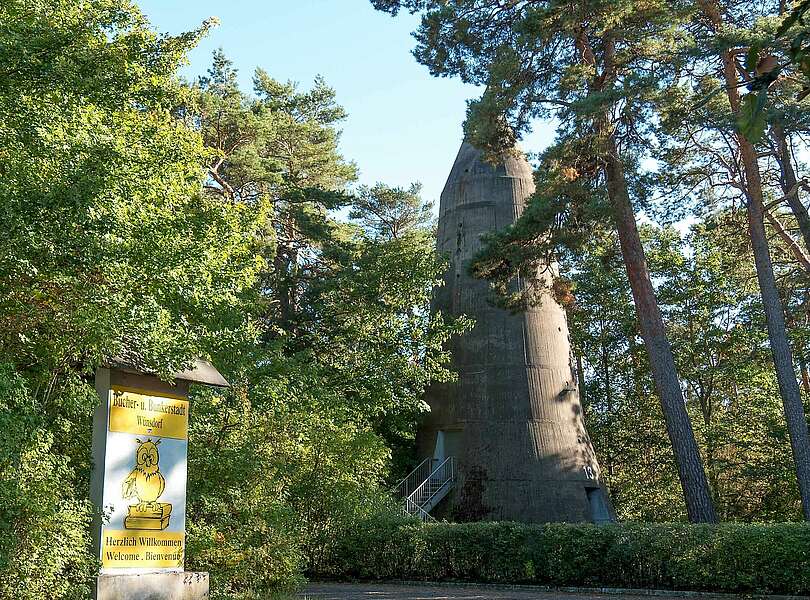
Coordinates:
[513,421]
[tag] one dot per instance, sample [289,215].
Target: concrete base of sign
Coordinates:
[153,586]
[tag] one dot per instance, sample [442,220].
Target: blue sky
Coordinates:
[403,125]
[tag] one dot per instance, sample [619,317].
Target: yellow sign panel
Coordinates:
[139,413]
[142,549]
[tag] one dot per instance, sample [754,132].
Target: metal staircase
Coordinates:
[426,486]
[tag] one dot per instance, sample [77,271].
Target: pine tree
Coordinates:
[717,25]
[590,65]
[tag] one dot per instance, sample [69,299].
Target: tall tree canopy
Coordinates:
[162,221]
[709,296]
[329,395]
[109,247]
[594,67]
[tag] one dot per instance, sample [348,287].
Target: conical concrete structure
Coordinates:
[513,421]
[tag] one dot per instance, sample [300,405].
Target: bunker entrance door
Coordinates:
[448,443]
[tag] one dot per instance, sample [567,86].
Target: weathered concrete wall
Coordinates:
[523,452]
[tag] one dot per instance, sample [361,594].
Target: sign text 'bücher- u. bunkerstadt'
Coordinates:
[145,481]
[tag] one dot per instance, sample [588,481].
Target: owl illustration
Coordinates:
[145,482]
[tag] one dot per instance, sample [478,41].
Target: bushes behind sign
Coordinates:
[44,518]
[719,558]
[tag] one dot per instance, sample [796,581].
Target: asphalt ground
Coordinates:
[388,591]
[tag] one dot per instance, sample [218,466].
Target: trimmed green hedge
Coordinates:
[718,558]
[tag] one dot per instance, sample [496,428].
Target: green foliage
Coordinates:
[327,397]
[719,558]
[119,241]
[108,243]
[108,247]
[567,209]
[641,104]
[272,481]
[299,450]
[162,222]
[571,61]
[708,293]
[388,212]
[766,68]
[44,535]
[622,413]
[800,43]
[169,221]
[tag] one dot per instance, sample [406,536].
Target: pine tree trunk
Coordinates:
[795,248]
[774,314]
[698,500]
[777,331]
[789,182]
[687,456]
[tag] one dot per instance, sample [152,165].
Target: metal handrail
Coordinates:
[416,477]
[417,510]
[433,483]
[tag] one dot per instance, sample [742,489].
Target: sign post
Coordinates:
[140,450]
